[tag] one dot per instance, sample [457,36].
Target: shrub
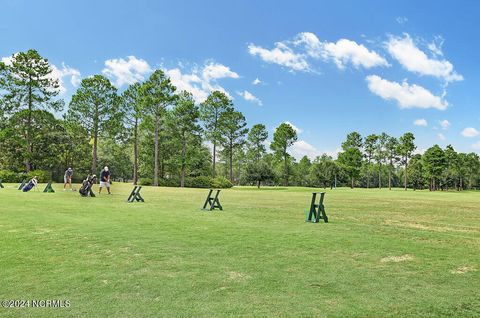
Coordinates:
[9,176]
[173,182]
[198,182]
[221,183]
[145,181]
[42,175]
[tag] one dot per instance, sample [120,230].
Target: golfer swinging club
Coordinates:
[104,180]
[67,179]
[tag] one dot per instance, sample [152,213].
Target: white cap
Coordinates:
[106,168]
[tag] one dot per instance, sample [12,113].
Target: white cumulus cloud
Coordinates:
[302,148]
[420,122]
[257,81]
[298,130]
[58,73]
[64,72]
[406,52]
[406,95]
[297,54]
[441,137]
[470,132]
[216,71]
[445,124]
[201,81]
[346,51]
[250,97]
[7,60]
[127,71]
[282,55]
[402,20]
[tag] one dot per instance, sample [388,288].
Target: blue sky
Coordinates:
[327,67]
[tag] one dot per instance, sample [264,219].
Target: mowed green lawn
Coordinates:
[383,254]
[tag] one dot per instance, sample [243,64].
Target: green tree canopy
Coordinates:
[27,84]
[132,113]
[406,147]
[257,136]
[211,110]
[95,107]
[233,131]
[184,129]
[283,138]
[157,93]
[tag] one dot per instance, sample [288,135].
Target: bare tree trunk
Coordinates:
[379,175]
[28,164]
[94,159]
[390,177]
[285,169]
[184,151]
[213,157]
[135,153]
[405,174]
[231,163]
[155,172]
[353,182]
[95,140]
[368,174]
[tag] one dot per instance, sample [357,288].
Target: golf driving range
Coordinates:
[382,253]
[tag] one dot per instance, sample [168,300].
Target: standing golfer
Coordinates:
[104,180]
[67,178]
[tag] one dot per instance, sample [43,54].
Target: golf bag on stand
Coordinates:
[29,186]
[87,184]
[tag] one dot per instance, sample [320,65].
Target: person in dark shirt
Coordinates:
[104,180]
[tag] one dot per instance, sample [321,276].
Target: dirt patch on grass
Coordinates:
[397,259]
[463,270]
[425,227]
[40,231]
[237,276]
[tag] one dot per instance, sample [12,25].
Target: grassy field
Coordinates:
[383,254]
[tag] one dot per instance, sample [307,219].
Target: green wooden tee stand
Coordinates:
[49,188]
[22,184]
[212,202]
[135,195]
[317,210]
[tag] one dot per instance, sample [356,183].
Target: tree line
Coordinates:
[151,133]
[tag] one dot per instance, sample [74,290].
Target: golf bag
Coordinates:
[29,186]
[87,184]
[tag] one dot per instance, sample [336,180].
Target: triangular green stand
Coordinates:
[49,188]
[1,185]
[212,201]
[22,184]
[135,195]
[317,211]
